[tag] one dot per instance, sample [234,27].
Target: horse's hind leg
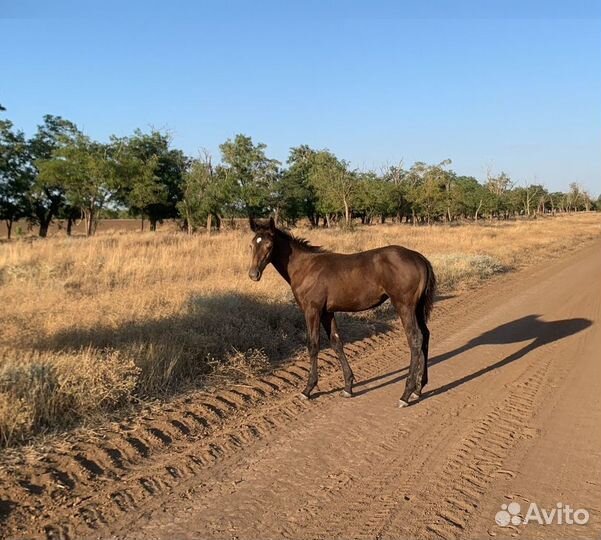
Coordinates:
[312,319]
[413,384]
[421,321]
[329,324]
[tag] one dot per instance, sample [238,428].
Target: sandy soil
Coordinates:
[512,414]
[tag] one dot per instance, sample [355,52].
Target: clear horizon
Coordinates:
[515,90]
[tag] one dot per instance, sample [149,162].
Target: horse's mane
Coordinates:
[302,243]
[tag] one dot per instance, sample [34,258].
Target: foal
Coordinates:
[323,283]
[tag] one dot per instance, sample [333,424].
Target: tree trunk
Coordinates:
[142,224]
[9,228]
[346,213]
[153,224]
[187,217]
[477,211]
[70,221]
[43,232]
[45,215]
[90,221]
[209,223]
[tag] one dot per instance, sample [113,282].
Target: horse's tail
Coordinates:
[426,301]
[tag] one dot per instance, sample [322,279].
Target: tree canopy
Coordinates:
[61,173]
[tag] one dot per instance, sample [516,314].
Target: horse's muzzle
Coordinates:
[255,275]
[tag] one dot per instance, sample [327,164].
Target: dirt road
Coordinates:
[512,414]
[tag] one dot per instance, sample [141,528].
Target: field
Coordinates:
[93,327]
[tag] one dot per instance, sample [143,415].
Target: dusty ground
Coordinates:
[512,413]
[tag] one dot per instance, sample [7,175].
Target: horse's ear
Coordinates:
[272,224]
[252,223]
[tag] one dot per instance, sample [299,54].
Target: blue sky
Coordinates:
[513,86]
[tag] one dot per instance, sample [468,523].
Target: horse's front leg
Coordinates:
[312,317]
[329,324]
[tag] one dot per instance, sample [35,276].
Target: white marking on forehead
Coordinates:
[259,239]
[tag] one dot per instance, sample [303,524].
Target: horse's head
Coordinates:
[261,246]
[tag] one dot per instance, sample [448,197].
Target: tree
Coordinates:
[336,187]
[427,191]
[578,199]
[499,187]
[400,182]
[528,199]
[296,194]
[89,174]
[156,187]
[252,174]
[447,180]
[15,174]
[71,214]
[47,194]
[557,201]
[206,192]
[375,197]
[143,193]
[468,197]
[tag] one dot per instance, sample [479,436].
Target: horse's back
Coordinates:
[358,281]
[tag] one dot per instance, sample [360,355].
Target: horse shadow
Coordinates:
[531,329]
[216,325]
[208,330]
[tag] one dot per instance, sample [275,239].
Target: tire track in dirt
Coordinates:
[472,465]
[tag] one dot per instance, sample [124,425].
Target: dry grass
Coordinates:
[89,325]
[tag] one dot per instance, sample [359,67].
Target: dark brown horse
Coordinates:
[323,283]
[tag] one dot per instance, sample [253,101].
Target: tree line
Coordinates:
[60,173]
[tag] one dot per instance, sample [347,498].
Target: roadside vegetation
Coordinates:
[92,326]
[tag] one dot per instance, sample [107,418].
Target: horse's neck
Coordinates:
[287,258]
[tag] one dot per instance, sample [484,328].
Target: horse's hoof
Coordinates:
[346,394]
[304,396]
[415,396]
[403,404]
